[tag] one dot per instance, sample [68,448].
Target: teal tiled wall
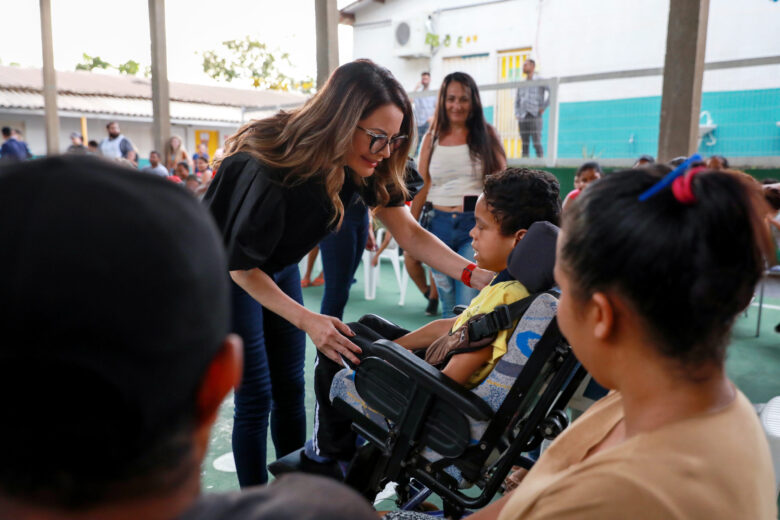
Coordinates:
[626,128]
[747,122]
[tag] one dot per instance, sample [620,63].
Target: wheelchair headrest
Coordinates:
[532,260]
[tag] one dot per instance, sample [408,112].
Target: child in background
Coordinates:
[182,171]
[202,170]
[587,173]
[192,183]
[718,162]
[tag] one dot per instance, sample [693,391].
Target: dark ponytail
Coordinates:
[688,270]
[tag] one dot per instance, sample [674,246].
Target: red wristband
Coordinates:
[465,276]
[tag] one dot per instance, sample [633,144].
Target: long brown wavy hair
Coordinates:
[482,139]
[313,140]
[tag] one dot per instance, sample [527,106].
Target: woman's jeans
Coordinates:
[453,229]
[341,253]
[272,382]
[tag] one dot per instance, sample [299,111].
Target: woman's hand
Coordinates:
[326,333]
[481,278]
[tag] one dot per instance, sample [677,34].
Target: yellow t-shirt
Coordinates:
[502,293]
[715,466]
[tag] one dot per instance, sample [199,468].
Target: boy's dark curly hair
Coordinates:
[518,197]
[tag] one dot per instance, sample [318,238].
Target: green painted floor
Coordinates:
[753,363]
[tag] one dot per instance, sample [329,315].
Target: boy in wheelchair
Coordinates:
[512,201]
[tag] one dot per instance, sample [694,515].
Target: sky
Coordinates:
[118,31]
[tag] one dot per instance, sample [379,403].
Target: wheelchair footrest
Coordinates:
[298,462]
[290,463]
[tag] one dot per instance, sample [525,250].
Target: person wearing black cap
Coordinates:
[281,188]
[108,389]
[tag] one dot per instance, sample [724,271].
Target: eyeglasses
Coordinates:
[379,141]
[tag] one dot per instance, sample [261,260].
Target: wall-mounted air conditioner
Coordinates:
[409,38]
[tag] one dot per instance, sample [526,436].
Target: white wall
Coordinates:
[139,132]
[571,37]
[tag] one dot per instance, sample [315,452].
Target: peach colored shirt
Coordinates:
[714,466]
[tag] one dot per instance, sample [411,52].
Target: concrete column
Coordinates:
[49,82]
[327,24]
[683,71]
[161,125]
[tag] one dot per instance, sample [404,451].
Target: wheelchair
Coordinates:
[429,434]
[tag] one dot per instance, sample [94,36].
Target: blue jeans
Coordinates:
[272,382]
[453,228]
[341,254]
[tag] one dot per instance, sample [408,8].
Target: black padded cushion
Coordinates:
[532,260]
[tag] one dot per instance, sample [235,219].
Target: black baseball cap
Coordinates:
[113,302]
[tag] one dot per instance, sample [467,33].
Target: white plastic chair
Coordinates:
[770,420]
[769,273]
[371,273]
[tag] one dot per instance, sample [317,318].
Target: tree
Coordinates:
[254,64]
[92,62]
[130,67]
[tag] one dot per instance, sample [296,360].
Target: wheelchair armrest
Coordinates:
[432,380]
[385,328]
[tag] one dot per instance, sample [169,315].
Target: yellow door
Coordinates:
[210,137]
[510,68]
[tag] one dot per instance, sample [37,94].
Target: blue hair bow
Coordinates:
[669,178]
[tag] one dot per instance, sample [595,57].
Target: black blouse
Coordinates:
[269,225]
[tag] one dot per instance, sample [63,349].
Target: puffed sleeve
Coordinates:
[248,207]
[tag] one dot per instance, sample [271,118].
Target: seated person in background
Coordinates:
[203,151]
[182,171]
[155,166]
[109,391]
[675,439]
[587,173]
[192,183]
[772,195]
[644,160]
[202,169]
[718,162]
[512,200]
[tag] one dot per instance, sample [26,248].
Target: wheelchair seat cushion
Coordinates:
[496,386]
[492,390]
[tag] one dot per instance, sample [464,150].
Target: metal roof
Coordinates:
[95,83]
[115,106]
[93,93]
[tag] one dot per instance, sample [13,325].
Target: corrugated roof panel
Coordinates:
[101,84]
[120,106]
[17,99]
[105,105]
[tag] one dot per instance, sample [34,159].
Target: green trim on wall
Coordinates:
[566,176]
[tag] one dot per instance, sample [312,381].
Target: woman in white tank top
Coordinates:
[456,154]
